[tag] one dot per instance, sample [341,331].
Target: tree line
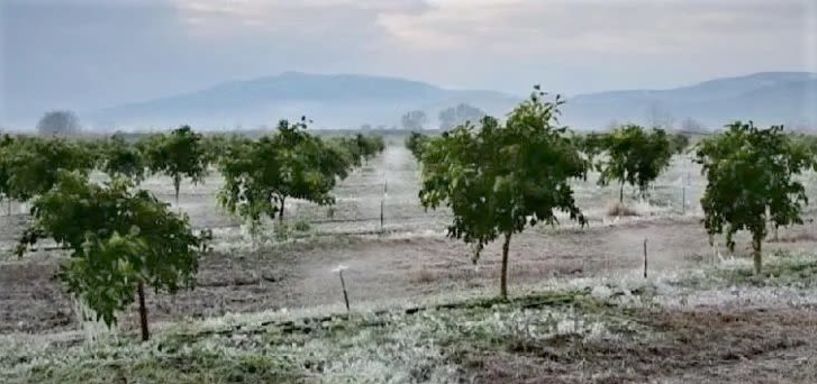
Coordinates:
[121,239]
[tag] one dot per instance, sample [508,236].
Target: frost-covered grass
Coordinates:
[780,269]
[366,347]
[430,342]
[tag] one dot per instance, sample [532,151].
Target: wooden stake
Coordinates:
[645,258]
[381,215]
[343,285]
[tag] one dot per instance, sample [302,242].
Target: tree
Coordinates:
[678,143]
[369,146]
[415,143]
[750,181]
[309,169]
[497,180]
[454,116]
[182,153]
[261,175]
[690,125]
[33,165]
[59,123]
[6,144]
[633,156]
[122,159]
[119,242]
[414,120]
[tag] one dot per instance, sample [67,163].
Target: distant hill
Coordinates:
[767,98]
[347,101]
[331,101]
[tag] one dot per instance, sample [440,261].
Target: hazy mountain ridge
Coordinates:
[347,101]
[332,101]
[766,98]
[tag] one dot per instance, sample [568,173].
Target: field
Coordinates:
[581,310]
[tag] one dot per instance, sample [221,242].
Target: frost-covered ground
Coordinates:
[671,328]
[699,317]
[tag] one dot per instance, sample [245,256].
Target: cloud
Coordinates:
[455,41]
[609,26]
[97,53]
[308,18]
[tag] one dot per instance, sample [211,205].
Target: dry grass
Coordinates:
[619,209]
[422,275]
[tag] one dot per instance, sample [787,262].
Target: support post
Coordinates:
[381,215]
[343,286]
[645,258]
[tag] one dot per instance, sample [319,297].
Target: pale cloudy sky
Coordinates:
[86,54]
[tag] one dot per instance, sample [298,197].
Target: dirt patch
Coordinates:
[702,346]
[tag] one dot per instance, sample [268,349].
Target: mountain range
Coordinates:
[348,101]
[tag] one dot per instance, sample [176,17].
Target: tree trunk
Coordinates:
[281,210]
[177,182]
[503,280]
[621,193]
[756,245]
[143,311]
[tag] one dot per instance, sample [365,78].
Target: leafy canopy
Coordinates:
[122,159]
[415,143]
[750,181]
[497,179]
[182,153]
[116,239]
[633,155]
[261,175]
[32,165]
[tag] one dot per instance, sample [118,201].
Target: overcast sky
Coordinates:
[87,54]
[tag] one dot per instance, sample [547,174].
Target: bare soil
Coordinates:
[705,345]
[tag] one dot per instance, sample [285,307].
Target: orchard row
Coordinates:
[498,178]
[122,239]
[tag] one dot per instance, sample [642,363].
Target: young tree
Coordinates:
[369,146]
[119,242]
[59,123]
[251,176]
[260,176]
[498,179]
[750,181]
[33,165]
[122,159]
[414,120]
[415,143]
[182,153]
[633,156]
[678,143]
[309,169]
